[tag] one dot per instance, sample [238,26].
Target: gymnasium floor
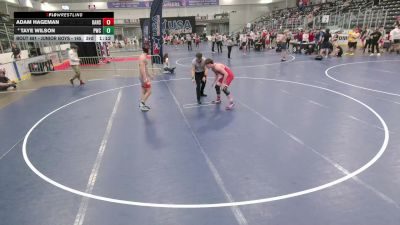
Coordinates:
[309,142]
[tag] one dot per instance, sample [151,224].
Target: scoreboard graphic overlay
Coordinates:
[64,26]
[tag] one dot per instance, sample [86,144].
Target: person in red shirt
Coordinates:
[311,36]
[197,41]
[223,79]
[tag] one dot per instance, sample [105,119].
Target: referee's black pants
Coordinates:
[200,84]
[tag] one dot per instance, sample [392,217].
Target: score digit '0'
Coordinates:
[108,21]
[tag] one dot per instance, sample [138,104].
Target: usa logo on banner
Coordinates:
[156,32]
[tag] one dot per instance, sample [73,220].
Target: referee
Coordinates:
[199,75]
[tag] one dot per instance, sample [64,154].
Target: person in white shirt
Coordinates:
[306,36]
[395,38]
[219,42]
[74,61]
[167,66]
[189,42]
[213,41]
[243,42]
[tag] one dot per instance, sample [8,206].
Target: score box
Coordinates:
[108,30]
[108,21]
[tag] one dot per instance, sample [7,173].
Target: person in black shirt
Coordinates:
[16,52]
[326,45]
[5,83]
[375,37]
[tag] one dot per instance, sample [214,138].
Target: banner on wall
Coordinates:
[175,25]
[179,25]
[166,4]
[156,39]
[145,26]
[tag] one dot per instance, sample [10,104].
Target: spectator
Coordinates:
[229,44]
[281,42]
[197,41]
[189,42]
[311,36]
[375,37]
[74,61]
[219,39]
[325,43]
[339,51]
[395,38]
[367,37]
[213,41]
[306,37]
[5,83]
[310,20]
[352,41]
[167,66]
[243,43]
[16,52]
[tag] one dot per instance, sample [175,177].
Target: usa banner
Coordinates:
[156,40]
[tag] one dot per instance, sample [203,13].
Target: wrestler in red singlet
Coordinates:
[223,79]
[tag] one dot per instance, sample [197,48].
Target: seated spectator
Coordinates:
[306,37]
[309,49]
[167,67]
[339,51]
[5,83]
[311,36]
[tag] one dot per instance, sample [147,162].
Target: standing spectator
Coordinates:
[352,41]
[252,38]
[375,37]
[213,41]
[249,41]
[288,38]
[229,44]
[243,43]
[219,42]
[395,38]
[325,44]
[281,42]
[363,36]
[263,39]
[310,20]
[367,38]
[397,23]
[267,40]
[189,42]
[74,62]
[197,41]
[5,83]
[16,52]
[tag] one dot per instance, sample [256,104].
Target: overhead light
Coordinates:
[65,7]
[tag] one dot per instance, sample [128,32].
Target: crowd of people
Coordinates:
[184,39]
[321,42]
